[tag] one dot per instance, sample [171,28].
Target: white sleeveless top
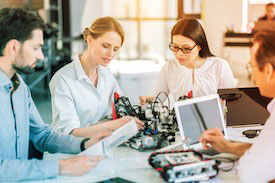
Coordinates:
[176,79]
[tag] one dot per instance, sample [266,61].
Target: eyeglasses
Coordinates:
[249,68]
[183,50]
[251,133]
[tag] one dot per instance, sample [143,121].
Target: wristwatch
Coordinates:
[82,144]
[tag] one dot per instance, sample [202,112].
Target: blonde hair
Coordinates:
[103,25]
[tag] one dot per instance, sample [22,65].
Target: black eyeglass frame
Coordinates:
[183,50]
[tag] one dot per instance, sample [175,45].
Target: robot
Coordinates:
[160,123]
[183,165]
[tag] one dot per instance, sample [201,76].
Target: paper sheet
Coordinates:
[118,137]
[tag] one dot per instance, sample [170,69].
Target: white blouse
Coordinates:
[76,102]
[176,79]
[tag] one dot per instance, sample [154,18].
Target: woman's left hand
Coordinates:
[121,121]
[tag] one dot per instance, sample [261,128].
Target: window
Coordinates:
[147,25]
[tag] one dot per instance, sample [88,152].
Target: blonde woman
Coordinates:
[82,91]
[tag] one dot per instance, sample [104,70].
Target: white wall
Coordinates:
[136,78]
[83,12]
[255,11]
[218,15]
[76,10]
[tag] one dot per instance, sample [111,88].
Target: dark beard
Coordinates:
[23,70]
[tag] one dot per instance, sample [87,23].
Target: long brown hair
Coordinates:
[192,29]
[103,25]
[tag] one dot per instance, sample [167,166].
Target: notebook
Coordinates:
[196,115]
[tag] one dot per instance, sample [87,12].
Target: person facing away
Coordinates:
[269,13]
[257,162]
[21,39]
[82,92]
[195,71]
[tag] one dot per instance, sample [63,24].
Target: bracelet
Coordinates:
[82,144]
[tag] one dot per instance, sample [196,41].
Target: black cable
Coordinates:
[225,160]
[129,109]
[157,97]
[128,106]
[150,123]
[154,103]
[135,106]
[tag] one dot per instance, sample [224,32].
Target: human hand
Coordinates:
[216,139]
[97,137]
[121,121]
[145,99]
[78,165]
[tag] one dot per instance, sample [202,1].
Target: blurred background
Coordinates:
[147,23]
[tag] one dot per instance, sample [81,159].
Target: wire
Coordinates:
[157,97]
[154,103]
[125,108]
[225,160]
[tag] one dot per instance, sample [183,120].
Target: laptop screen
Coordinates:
[198,114]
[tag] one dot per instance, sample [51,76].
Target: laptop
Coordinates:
[248,109]
[196,115]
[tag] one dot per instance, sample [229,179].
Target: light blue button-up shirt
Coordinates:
[21,122]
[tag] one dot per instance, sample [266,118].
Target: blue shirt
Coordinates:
[21,122]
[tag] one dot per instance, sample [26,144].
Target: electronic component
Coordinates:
[159,120]
[160,123]
[183,165]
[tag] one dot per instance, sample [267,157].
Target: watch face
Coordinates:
[82,145]
[116,180]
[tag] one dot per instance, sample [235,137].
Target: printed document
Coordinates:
[118,137]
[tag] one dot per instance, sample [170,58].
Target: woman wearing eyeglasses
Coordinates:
[195,71]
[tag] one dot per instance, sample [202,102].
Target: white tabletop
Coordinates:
[133,165]
[129,164]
